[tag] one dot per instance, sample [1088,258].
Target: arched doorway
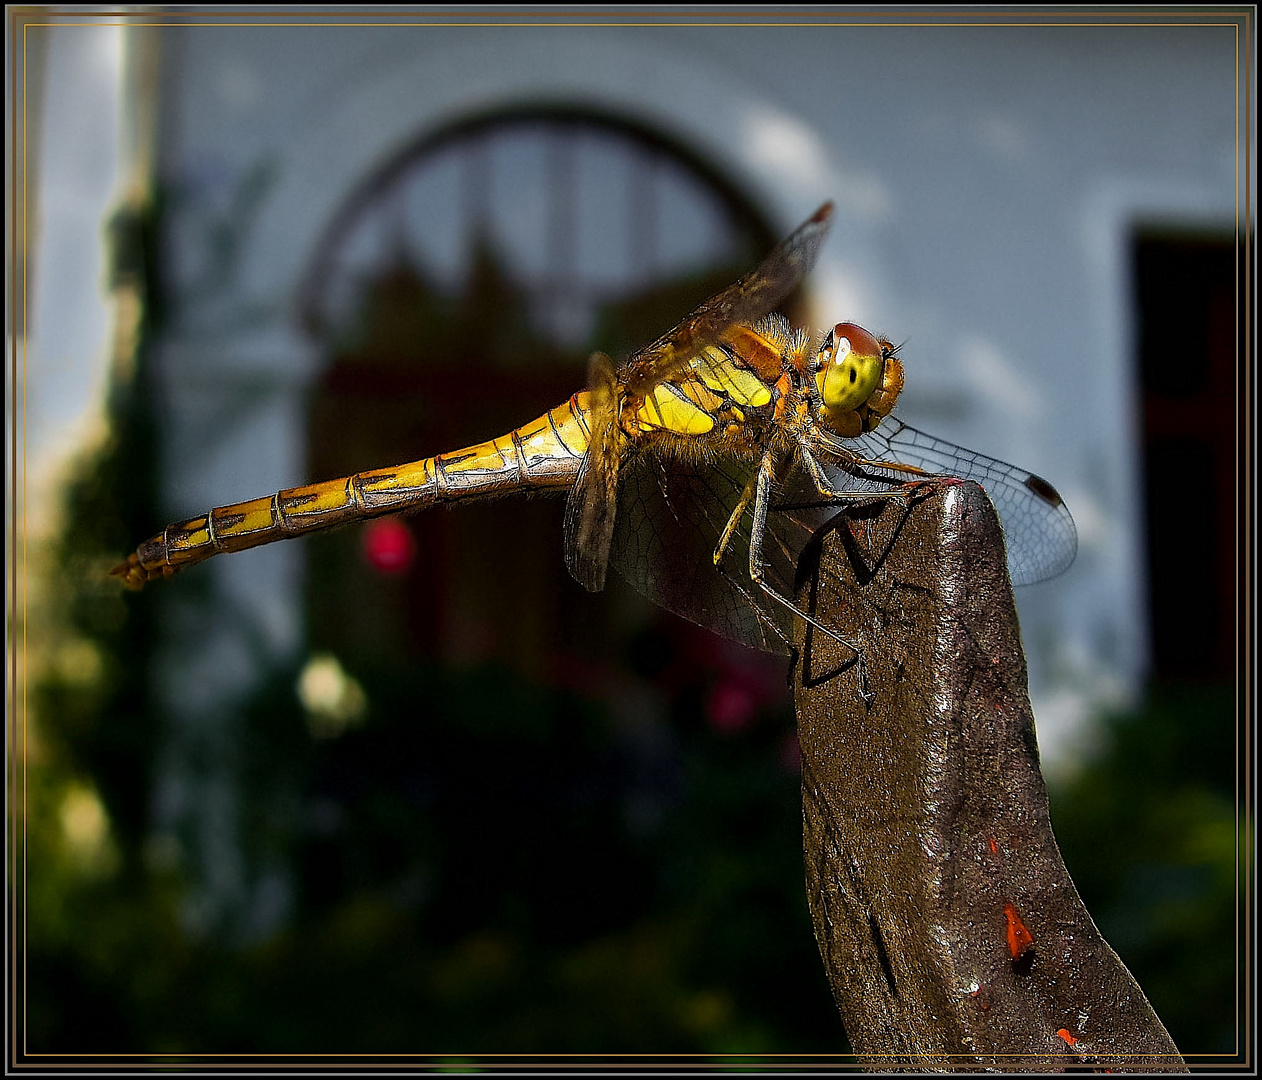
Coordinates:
[458,293]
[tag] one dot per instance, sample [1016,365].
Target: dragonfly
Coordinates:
[698,467]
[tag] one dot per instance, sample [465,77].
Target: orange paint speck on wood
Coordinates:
[1020,940]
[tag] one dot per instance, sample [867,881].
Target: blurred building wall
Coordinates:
[990,184]
[986,179]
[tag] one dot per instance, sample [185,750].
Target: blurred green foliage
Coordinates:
[471,876]
[479,863]
[483,865]
[488,864]
[1149,834]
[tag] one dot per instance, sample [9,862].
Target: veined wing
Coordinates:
[590,507]
[671,513]
[745,301]
[590,511]
[1040,533]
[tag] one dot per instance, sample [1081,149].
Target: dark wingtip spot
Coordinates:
[1043,490]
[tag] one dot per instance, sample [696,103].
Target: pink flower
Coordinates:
[389,546]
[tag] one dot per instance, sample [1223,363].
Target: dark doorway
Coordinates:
[1186,293]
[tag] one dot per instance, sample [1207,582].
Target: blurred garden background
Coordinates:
[407,789]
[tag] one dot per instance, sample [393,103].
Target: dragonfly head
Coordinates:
[858,379]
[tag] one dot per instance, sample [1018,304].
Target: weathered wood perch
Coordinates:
[951,932]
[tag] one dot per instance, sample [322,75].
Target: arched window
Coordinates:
[457,294]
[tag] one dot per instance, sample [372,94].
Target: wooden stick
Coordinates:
[951,932]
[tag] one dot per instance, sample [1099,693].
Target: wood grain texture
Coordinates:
[949,927]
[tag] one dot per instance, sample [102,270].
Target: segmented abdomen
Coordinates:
[540,456]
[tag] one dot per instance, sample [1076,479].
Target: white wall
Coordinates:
[72,176]
[986,179]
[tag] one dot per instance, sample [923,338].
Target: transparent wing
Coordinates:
[1040,533]
[745,301]
[591,509]
[593,500]
[672,511]
[671,514]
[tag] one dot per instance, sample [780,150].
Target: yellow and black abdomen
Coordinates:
[540,456]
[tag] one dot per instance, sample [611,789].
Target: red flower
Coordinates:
[389,546]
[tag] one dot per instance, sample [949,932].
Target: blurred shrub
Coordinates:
[1148,832]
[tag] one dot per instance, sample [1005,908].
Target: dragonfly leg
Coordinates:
[818,477]
[900,492]
[729,529]
[720,554]
[757,567]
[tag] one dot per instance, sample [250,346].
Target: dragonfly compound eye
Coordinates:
[851,370]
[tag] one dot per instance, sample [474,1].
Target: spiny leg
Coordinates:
[757,568]
[729,530]
[902,492]
[905,493]
[720,553]
[916,484]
